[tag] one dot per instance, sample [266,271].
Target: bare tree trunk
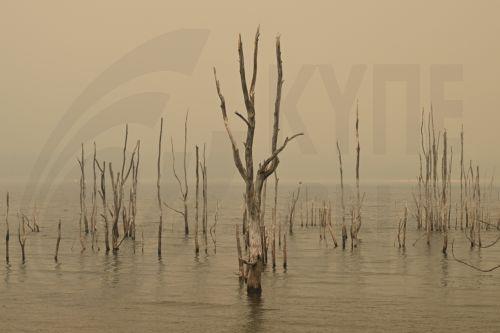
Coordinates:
[102,193]
[133,194]
[21,232]
[213,228]
[357,225]
[205,199]
[58,240]
[254,181]
[344,230]
[293,203]
[7,231]
[158,191]
[307,206]
[241,271]
[196,217]
[275,211]
[285,258]
[185,196]
[182,188]
[461,178]
[83,207]
[94,201]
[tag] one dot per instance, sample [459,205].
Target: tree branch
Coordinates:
[274,156]
[470,265]
[173,209]
[254,76]
[236,152]
[173,167]
[242,118]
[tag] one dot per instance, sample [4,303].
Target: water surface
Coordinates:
[377,287]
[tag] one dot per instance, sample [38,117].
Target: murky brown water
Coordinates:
[375,288]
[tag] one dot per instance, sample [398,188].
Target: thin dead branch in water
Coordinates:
[58,241]
[487,270]
[213,228]
[293,204]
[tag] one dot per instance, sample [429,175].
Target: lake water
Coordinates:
[377,287]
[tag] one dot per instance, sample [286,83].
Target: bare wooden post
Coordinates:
[58,240]
[196,217]
[254,181]
[344,230]
[7,231]
[158,191]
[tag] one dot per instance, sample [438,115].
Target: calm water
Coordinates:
[376,288]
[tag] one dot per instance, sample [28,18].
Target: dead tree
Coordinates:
[285,258]
[93,214]
[83,206]
[402,229]
[356,225]
[130,213]
[203,167]
[213,228]
[7,231]
[158,191]
[58,240]
[293,203]
[273,248]
[196,216]
[102,194]
[241,270]
[254,181]
[21,234]
[344,229]
[118,188]
[182,188]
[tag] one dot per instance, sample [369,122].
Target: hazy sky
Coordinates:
[53,50]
